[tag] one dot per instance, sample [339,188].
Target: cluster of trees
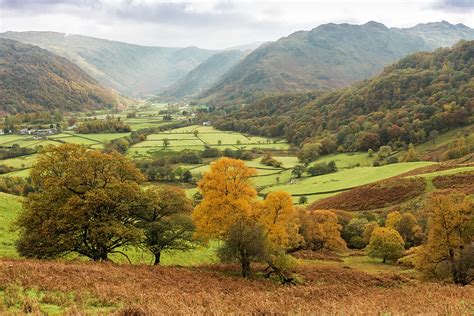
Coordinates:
[315,170]
[413,100]
[268,160]
[16,151]
[13,123]
[16,185]
[92,204]
[321,168]
[166,168]
[109,125]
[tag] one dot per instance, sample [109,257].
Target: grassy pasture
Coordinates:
[19,162]
[349,160]
[346,178]
[10,205]
[8,140]
[184,138]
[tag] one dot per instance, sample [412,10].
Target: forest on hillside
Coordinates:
[34,79]
[415,98]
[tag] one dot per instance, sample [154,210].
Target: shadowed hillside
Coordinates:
[34,79]
[205,75]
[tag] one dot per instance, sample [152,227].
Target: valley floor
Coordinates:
[91,288]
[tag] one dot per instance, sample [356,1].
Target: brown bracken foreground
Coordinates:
[148,290]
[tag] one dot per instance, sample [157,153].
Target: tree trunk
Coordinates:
[245,263]
[157,258]
[384,260]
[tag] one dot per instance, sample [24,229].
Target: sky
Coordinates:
[217,24]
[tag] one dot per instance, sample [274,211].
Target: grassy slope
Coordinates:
[347,178]
[10,205]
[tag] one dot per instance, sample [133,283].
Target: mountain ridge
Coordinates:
[328,56]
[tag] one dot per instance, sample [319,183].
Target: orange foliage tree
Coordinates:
[230,211]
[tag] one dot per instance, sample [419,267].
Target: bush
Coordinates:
[322,168]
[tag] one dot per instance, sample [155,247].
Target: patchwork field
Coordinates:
[196,137]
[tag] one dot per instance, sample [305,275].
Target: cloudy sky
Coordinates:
[217,23]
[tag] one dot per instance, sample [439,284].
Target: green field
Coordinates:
[10,205]
[346,178]
[185,138]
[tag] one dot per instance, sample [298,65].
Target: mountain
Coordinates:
[33,79]
[441,34]
[329,56]
[133,70]
[205,74]
[415,98]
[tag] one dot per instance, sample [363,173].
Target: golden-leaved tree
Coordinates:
[321,230]
[230,211]
[449,249]
[84,204]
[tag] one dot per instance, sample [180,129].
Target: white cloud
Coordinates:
[214,23]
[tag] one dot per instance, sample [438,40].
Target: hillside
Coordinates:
[329,56]
[412,100]
[130,69]
[205,74]
[34,79]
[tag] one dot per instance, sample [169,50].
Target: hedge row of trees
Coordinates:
[109,125]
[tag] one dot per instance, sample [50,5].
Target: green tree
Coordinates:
[302,199]
[165,219]
[298,171]
[186,177]
[385,243]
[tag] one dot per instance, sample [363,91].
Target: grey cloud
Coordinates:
[158,13]
[35,4]
[454,5]
[177,13]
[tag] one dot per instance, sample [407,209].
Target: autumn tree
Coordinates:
[352,232]
[230,211]
[321,230]
[227,206]
[279,220]
[165,219]
[450,239]
[84,204]
[407,225]
[368,230]
[385,243]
